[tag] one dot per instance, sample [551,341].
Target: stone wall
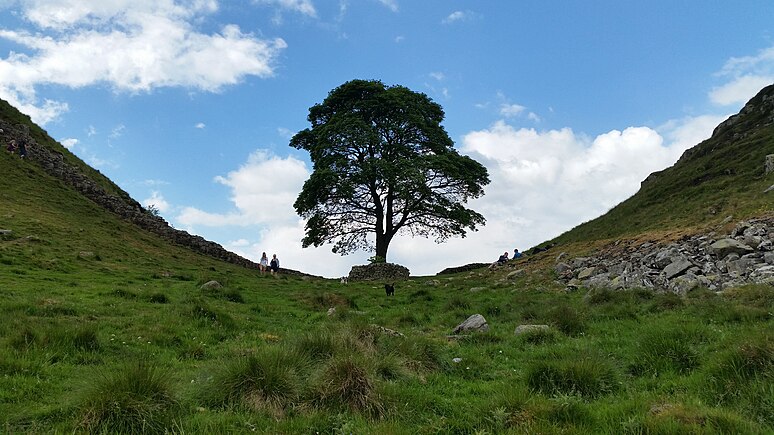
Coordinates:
[387,272]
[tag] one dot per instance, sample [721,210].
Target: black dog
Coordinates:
[389,289]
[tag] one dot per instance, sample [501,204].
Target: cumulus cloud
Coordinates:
[69,143]
[511,110]
[157,200]
[390,4]
[457,16]
[747,75]
[546,182]
[200,125]
[141,45]
[262,191]
[304,7]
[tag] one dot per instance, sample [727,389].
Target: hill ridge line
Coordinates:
[53,163]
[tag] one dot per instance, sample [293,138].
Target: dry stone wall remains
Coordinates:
[714,261]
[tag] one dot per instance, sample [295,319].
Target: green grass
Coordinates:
[106,330]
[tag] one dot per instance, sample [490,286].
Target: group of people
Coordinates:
[272,266]
[504,258]
[14,146]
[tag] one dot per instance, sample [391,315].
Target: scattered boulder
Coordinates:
[474,323]
[477,289]
[516,274]
[211,285]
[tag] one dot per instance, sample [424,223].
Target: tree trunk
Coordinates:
[382,242]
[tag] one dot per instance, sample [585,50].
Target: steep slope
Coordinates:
[51,163]
[720,177]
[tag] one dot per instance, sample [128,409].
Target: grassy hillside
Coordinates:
[722,176]
[14,120]
[107,329]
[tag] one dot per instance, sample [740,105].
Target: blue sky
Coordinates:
[189,104]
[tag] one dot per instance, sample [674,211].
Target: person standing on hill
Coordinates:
[264,264]
[516,254]
[274,264]
[22,148]
[11,146]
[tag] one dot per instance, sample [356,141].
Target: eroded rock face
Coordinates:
[386,272]
[709,260]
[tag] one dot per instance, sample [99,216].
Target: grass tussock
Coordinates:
[348,382]
[744,376]
[669,348]
[588,377]
[568,320]
[268,380]
[137,398]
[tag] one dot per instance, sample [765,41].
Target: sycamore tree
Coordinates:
[383,164]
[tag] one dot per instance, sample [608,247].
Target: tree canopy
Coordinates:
[383,164]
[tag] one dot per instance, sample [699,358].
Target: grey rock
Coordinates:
[586,272]
[474,323]
[331,311]
[477,289]
[516,274]
[769,257]
[211,285]
[723,247]
[599,281]
[683,284]
[676,268]
[562,268]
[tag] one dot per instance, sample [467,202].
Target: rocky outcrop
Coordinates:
[387,272]
[707,260]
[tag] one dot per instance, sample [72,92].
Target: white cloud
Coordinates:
[285,132]
[142,45]
[748,75]
[91,131]
[546,182]
[511,110]
[739,90]
[304,7]
[69,143]
[457,16]
[390,4]
[117,131]
[438,76]
[158,201]
[262,190]
[200,125]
